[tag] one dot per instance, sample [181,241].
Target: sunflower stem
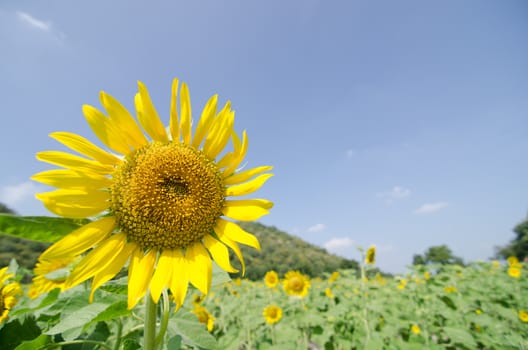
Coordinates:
[164,318]
[149,332]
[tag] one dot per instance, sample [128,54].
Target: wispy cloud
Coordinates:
[316,228]
[339,244]
[429,208]
[14,194]
[396,193]
[33,22]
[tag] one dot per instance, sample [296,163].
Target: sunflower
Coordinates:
[204,317]
[49,275]
[272,314]
[415,329]
[159,204]
[296,284]
[333,277]
[523,315]
[370,257]
[271,279]
[8,293]
[329,294]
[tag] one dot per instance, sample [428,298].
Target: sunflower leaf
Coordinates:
[38,228]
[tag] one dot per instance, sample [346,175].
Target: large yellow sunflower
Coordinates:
[161,205]
[8,293]
[296,284]
[272,314]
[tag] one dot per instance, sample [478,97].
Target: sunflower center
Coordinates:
[167,195]
[2,305]
[296,284]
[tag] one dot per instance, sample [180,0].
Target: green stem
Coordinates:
[164,318]
[149,332]
[365,310]
[118,334]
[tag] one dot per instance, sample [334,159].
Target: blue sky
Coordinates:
[396,123]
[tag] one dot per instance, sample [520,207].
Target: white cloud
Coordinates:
[317,228]
[10,195]
[397,192]
[33,22]
[339,244]
[429,208]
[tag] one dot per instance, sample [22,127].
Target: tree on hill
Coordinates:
[518,246]
[440,254]
[6,210]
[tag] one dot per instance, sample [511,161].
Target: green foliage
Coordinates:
[517,247]
[440,254]
[282,252]
[5,209]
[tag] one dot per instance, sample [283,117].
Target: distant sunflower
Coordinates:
[415,329]
[370,257]
[49,275]
[204,317]
[296,284]
[159,206]
[271,279]
[8,292]
[272,314]
[523,315]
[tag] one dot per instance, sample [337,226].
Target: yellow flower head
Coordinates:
[296,284]
[329,293]
[514,272]
[450,289]
[159,197]
[415,329]
[523,315]
[272,314]
[8,292]
[204,317]
[370,257]
[271,279]
[49,275]
[427,275]
[333,277]
[513,261]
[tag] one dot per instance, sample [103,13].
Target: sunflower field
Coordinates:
[481,306]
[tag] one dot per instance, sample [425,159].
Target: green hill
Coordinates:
[280,252]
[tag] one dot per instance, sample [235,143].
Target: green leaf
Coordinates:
[460,336]
[192,332]
[36,343]
[48,300]
[73,323]
[14,333]
[174,343]
[219,276]
[39,228]
[118,309]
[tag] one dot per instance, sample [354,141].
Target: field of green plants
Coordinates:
[481,306]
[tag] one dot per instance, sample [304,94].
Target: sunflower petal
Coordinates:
[221,137]
[70,161]
[186,114]
[206,119]
[255,202]
[97,260]
[235,233]
[140,274]
[80,240]
[163,274]
[123,120]
[200,267]
[233,245]
[248,187]
[219,253]
[106,130]
[174,127]
[240,152]
[244,213]
[245,175]
[75,203]
[180,278]
[71,179]
[85,147]
[111,269]
[148,116]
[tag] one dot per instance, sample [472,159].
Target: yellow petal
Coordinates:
[80,240]
[186,114]
[233,245]
[70,161]
[71,179]
[173,125]
[219,253]
[228,229]
[97,260]
[220,138]
[123,120]
[111,269]
[206,119]
[200,267]
[240,152]
[245,213]
[106,130]
[163,274]
[180,278]
[248,187]
[245,175]
[85,147]
[254,202]
[140,274]
[148,117]
[75,203]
